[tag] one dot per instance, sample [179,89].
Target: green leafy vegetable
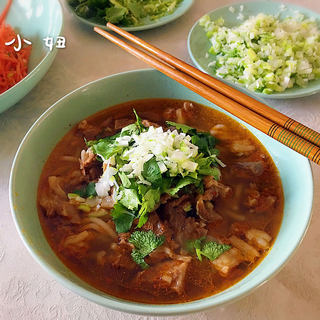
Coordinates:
[182,127]
[144,242]
[87,191]
[122,218]
[139,124]
[123,12]
[204,140]
[129,198]
[115,14]
[181,184]
[210,249]
[106,149]
[124,180]
[151,172]
[149,201]
[139,184]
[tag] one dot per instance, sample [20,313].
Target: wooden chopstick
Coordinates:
[256,106]
[263,124]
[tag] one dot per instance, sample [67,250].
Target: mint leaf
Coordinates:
[210,249]
[144,242]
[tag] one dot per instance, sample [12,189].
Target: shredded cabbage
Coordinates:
[265,54]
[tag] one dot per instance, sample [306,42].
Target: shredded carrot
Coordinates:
[13,64]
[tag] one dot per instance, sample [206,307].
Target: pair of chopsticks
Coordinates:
[271,122]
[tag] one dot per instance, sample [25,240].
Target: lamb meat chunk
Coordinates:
[120,257]
[88,161]
[206,212]
[88,131]
[52,204]
[154,224]
[160,227]
[168,276]
[121,123]
[211,184]
[186,228]
[259,202]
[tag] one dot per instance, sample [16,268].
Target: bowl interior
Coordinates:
[53,124]
[33,20]
[198,43]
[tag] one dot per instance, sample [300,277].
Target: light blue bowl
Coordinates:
[55,123]
[182,8]
[33,20]
[198,43]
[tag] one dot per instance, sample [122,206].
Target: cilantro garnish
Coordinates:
[87,191]
[151,172]
[144,242]
[175,164]
[122,218]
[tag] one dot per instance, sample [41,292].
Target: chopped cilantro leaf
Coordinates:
[151,172]
[181,184]
[106,149]
[124,180]
[182,127]
[122,218]
[87,191]
[130,130]
[149,201]
[139,124]
[144,242]
[211,171]
[129,198]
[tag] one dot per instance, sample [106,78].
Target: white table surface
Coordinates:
[28,292]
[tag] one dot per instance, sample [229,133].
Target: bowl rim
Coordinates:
[157,23]
[122,305]
[277,95]
[31,74]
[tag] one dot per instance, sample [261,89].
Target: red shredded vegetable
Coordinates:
[13,64]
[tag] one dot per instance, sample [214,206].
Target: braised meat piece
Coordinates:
[168,276]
